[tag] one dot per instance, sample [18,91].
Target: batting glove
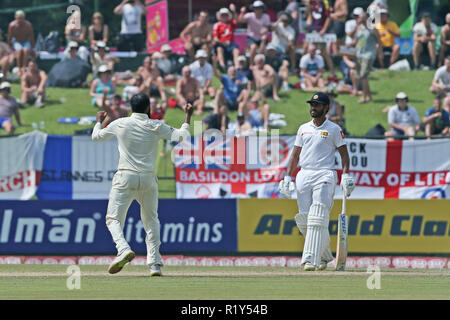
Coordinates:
[347,184]
[286,187]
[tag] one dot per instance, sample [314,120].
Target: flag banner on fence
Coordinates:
[21,161]
[77,168]
[253,166]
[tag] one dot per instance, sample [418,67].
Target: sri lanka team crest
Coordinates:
[323,134]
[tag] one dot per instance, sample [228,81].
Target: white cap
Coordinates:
[270,47]
[241,58]
[4,85]
[201,54]
[357,11]
[19,13]
[101,44]
[258,4]
[166,47]
[1,75]
[401,95]
[157,55]
[382,10]
[103,68]
[260,56]
[224,11]
[73,44]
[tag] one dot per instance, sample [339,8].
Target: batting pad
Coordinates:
[301,219]
[316,235]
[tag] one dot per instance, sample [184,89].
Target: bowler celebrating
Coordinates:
[135,178]
[316,145]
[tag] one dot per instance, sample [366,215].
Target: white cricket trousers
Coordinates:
[126,186]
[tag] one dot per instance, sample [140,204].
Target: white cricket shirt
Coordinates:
[138,138]
[319,144]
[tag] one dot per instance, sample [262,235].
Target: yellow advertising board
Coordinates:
[375,226]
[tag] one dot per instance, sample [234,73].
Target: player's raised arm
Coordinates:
[170,133]
[99,134]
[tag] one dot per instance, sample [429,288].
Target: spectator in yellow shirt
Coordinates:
[388,31]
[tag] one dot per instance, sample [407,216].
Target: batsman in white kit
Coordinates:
[315,183]
[136,178]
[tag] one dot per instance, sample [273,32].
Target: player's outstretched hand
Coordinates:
[101,115]
[286,187]
[347,184]
[188,109]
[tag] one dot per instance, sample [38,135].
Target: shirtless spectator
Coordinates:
[441,80]
[197,35]
[8,108]
[6,56]
[223,37]
[153,82]
[312,69]
[114,110]
[241,127]
[445,40]
[100,57]
[135,87]
[258,24]
[338,17]
[189,91]
[266,79]
[33,85]
[21,39]
[202,71]
[424,40]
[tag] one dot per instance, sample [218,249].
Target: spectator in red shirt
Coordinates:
[223,37]
[157,111]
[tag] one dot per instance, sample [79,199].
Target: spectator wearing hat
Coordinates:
[197,35]
[21,39]
[101,85]
[338,16]
[403,119]
[312,69]
[436,121]
[130,37]
[153,84]
[8,108]
[425,33]
[280,64]
[223,37]
[388,31]
[441,80]
[444,51]
[351,26]
[76,32]
[258,24]
[244,71]
[266,79]
[168,64]
[98,31]
[202,71]
[6,56]
[33,85]
[283,37]
[188,90]
[114,109]
[72,51]
[99,57]
[336,112]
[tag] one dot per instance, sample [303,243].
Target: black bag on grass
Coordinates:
[69,73]
[376,132]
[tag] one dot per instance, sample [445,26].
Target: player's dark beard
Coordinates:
[318,114]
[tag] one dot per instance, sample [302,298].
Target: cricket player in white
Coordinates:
[136,178]
[315,146]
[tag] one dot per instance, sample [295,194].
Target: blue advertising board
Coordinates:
[78,227]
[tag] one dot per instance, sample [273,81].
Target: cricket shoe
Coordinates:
[309,267]
[322,266]
[120,261]
[155,270]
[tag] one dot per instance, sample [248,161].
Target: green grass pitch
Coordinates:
[221,283]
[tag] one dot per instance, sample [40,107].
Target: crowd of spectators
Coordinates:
[276,51]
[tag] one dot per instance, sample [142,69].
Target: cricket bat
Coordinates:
[342,240]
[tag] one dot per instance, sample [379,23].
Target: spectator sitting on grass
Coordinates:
[21,39]
[188,90]
[257,115]
[223,37]
[168,64]
[135,87]
[6,56]
[114,109]
[200,35]
[424,39]
[100,57]
[312,69]
[8,108]
[153,81]
[76,32]
[258,24]
[99,85]
[441,80]
[266,79]
[445,40]
[217,120]
[130,37]
[283,37]
[281,66]
[335,113]
[33,85]
[202,71]
[157,111]
[241,127]
[244,72]
[403,119]
[98,30]
[436,121]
